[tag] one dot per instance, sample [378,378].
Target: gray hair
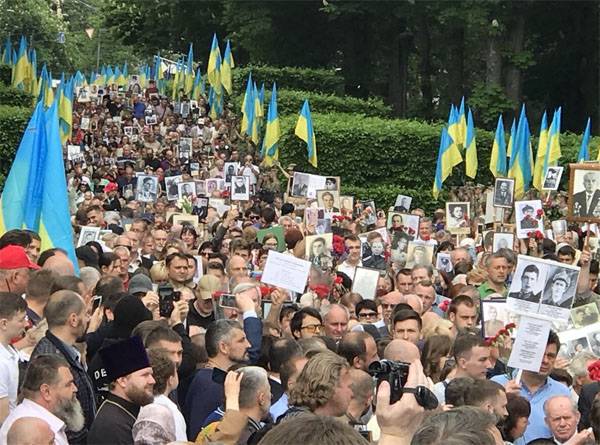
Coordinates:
[89,276]
[254,379]
[572,403]
[427,267]
[219,331]
[328,309]
[61,305]
[465,425]
[578,365]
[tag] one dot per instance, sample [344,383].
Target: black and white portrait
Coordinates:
[171,187]
[151,119]
[504,192]
[594,342]
[528,216]
[443,262]
[347,204]
[369,211]
[147,188]
[230,169]
[318,250]
[561,284]
[418,255]
[323,226]
[457,217]
[402,203]
[528,281]
[300,184]
[577,345]
[494,315]
[200,188]
[329,200]
[88,234]
[584,204]
[585,315]
[200,207]
[185,148]
[559,228]
[214,184]
[552,178]
[186,190]
[332,183]
[240,188]
[503,241]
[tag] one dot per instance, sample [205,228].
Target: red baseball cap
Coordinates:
[15,257]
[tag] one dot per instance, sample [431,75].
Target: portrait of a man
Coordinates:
[558,291]
[585,202]
[146,189]
[503,194]
[529,278]
[552,179]
[329,200]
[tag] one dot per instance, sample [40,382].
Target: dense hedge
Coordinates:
[14,97]
[308,79]
[13,121]
[380,158]
[5,74]
[289,102]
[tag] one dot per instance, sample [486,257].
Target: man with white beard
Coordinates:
[131,387]
[49,393]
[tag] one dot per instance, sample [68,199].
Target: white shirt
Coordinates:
[348,269]
[9,375]
[180,427]
[28,408]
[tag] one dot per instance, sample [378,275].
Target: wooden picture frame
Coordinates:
[577,202]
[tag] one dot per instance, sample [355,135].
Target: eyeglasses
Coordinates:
[387,306]
[312,328]
[254,217]
[367,315]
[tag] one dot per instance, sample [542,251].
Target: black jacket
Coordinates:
[114,422]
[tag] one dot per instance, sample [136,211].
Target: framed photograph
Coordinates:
[186,190]
[147,188]
[365,282]
[552,178]
[200,188]
[200,208]
[328,200]
[323,226]
[585,315]
[543,287]
[584,193]
[528,217]
[594,342]
[457,217]
[346,204]
[494,316]
[151,119]
[299,186]
[368,206]
[402,204]
[504,190]
[240,188]
[503,241]
[128,131]
[214,184]
[418,255]
[88,234]
[85,123]
[230,170]
[312,215]
[318,250]
[185,148]
[492,214]
[332,183]
[185,218]
[443,262]
[171,183]
[559,228]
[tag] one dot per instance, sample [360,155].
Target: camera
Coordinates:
[395,373]
[166,296]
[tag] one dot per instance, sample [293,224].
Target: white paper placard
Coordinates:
[286,271]
[365,281]
[530,344]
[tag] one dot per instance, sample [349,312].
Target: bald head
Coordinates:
[60,264]
[414,302]
[237,268]
[401,350]
[30,431]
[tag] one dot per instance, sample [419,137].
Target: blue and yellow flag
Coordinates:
[213,71]
[189,72]
[584,150]
[538,172]
[553,151]
[7,53]
[65,109]
[470,148]
[511,138]
[226,69]
[248,108]
[305,131]
[22,68]
[35,192]
[498,159]
[520,161]
[270,149]
[462,125]
[444,162]
[197,87]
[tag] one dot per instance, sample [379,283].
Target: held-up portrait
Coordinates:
[584,193]
[552,178]
[457,217]
[504,192]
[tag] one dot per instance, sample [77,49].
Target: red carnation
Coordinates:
[539,213]
[594,371]
[510,326]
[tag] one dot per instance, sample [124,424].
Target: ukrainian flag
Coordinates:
[584,151]
[471,149]
[7,53]
[196,88]
[213,71]
[65,109]
[539,172]
[270,150]
[226,69]
[189,72]
[443,167]
[35,192]
[498,159]
[520,162]
[305,131]
[21,69]
[462,125]
[511,140]
[248,108]
[553,151]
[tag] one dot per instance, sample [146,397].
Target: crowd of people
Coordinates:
[164,333]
